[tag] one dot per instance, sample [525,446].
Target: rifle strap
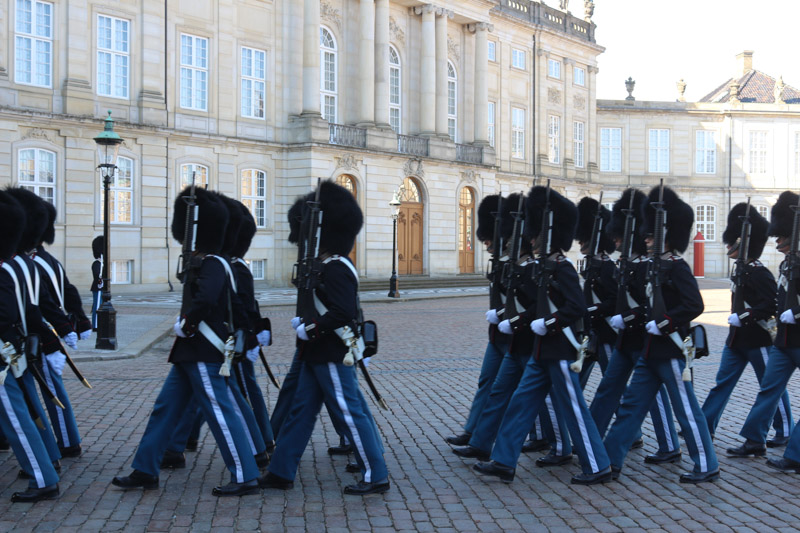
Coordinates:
[352,341]
[763,324]
[33,288]
[58,288]
[568,333]
[20,300]
[17,363]
[204,329]
[596,300]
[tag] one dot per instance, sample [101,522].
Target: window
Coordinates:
[200,175]
[328,79]
[121,272]
[452,104]
[517,133]
[659,151]
[120,206]
[554,68]
[194,72]
[257,268]
[518,58]
[33,44]
[553,139]
[706,152]
[763,211]
[490,114]
[492,50]
[37,172]
[705,220]
[577,140]
[395,106]
[579,76]
[112,56]
[758,152]
[254,194]
[611,149]
[253,82]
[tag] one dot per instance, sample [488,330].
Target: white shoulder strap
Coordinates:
[52,275]
[346,262]
[227,269]
[18,292]
[33,288]
[241,262]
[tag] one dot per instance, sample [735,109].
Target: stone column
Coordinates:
[441,73]
[382,63]
[427,118]
[311,86]
[366,70]
[568,132]
[481,83]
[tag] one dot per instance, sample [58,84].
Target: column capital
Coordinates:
[541,52]
[426,8]
[592,70]
[474,27]
[443,12]
[569,61]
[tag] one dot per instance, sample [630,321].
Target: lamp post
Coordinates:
[395,205]
[107,149]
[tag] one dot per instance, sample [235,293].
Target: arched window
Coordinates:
[395,105]
[200,175]
[452,101]
[120,205]
[37,172]
[328,78]
[409,192]
[254,194]
[348,183]
[705,217]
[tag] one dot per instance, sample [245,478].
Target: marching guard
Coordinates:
[98,249]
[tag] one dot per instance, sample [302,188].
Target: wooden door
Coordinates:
[409,239]
[466,231]
[350,184]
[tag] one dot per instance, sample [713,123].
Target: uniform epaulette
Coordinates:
[673,257]
[562,258]
[756,263]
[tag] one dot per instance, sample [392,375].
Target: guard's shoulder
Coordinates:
[675,258]
[338,267]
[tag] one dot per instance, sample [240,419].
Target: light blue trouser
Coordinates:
[335,385]
[23,435]
[203,382]
[492,359]
[649,376]
[46,434]
[65,427]
[555,378]
[731,366]
[256,399]
[780,367]
[97,299]
[609,394]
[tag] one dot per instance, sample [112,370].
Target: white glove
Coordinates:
[178,330]
[652,328]
[787,317]
[491,317]
[504,327]
[71,340]
[296,321]
[301,332]
[252,355]
[366,361]
[56,360]
[733,320]
[86,334]
[538,327]
[264,337]
[617,322]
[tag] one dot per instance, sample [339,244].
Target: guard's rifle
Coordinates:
[792,265]
[186,261]
[741,261]
[511,270]
[626,251]
[495,269]
[544,267]
[309,267]
[591,271]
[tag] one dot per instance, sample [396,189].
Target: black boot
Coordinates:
[4,445]
[535,445]
[699,477]
[236,489]
[34,495]
[352,467]
[262,460]
[638,443]
[784,465]
[173,460]
[777,442]
[462,439]
[270,447]
[663,457]
[71,451]
[271,481]
[470,452]
[191,445]
[493,468]
[362,488]
[551,459]
[137,480]
[750,447]
[342,449]
[602,476]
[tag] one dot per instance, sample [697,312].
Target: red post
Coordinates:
[699,255]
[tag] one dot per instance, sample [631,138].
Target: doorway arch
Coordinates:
[349,182]
[410,228]
[466,231]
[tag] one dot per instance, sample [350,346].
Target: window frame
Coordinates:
[579,143]
[703,153]
[452,102]
[755,151]
[36,185]
[115,56]
[554,139]
[610,150]
[518,132]
[655,153]
[398,105]
[251,265]
[491,50]
[582,77]
[491,116]
[184,179]
[113,277]
[516,54]
[763,210]
[116,190]
[705,223]
[553,68]
[34,38]
[328,93]
[195,72]
[251,200]
[253,80]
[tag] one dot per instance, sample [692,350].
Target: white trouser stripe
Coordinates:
[62,423]
[23,439]
[551,410]
[662,414]
[609,351]
[781,407]
[221,421]
[687,408]
[537,425]
[348,418]
[576,409]
[240,416]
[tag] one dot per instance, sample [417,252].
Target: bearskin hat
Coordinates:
[341,218]
[587,210]
[98,246]
[680,218]
[565,217]
[49,234]
[212,220]
[234,222]
[758,229]
[486,217]
[35,216]
[782,217]
[247,230]
[295,218]
[616,228]
[12,225]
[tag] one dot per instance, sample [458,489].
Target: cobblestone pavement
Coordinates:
[427,370]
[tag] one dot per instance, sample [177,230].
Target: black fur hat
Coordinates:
[35,216]
[680,219]
[212,220]
[782,216]
[616,228]
[247,230]
[234,223]
[49,234]
[486,218]
[758,229]
[587,210]
[98,246]
[565,217]
[295,218]
[12,225]
[341,218]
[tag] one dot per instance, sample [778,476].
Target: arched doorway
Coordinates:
[409,229]
[466,231]
[349,183]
